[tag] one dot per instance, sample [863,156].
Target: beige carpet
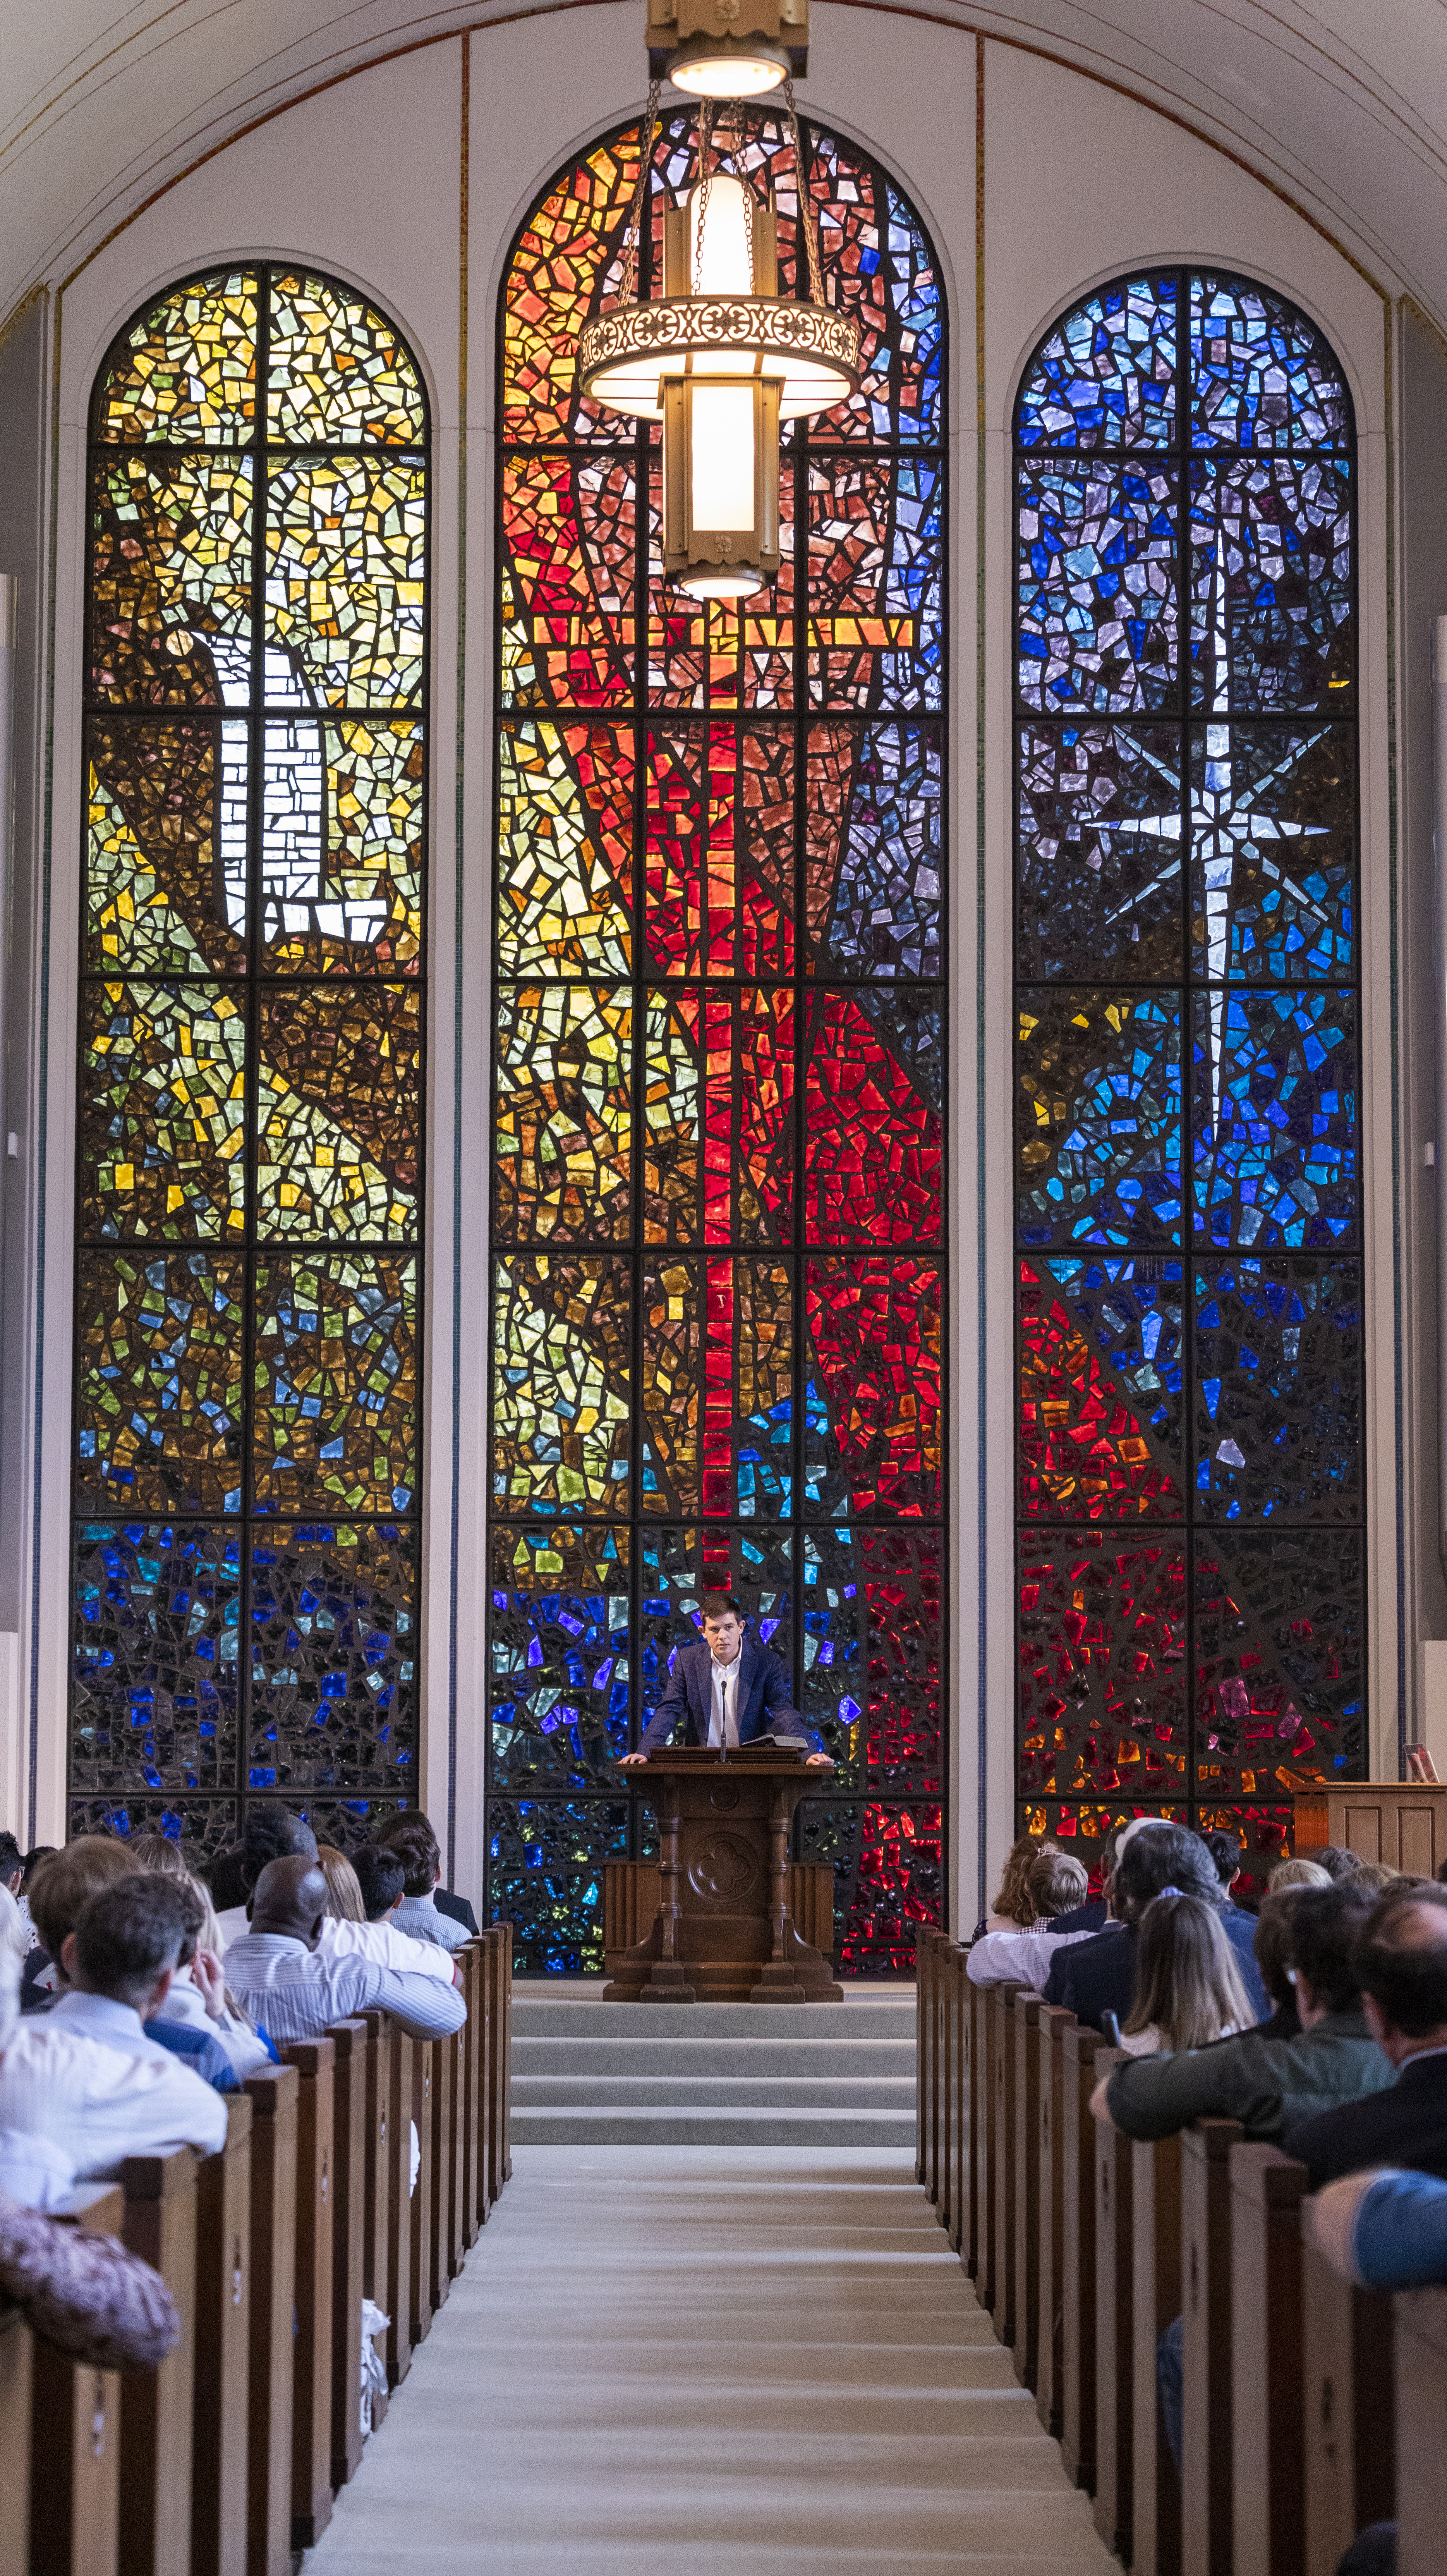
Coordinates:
[758,2362]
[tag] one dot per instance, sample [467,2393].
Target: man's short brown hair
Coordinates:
[64,1885]
[412,1841]
[718,1605]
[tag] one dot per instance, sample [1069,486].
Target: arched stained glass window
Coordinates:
[250,1088]
[717,1203]
[1188,1201]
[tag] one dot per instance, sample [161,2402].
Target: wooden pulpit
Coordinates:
[1401,1822]
[724,1931]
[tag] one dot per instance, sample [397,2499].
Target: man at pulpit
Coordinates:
[725,1690]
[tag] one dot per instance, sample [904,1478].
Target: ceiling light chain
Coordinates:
[806,225]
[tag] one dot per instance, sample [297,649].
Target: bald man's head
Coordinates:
[290,1897]
[1402,1963]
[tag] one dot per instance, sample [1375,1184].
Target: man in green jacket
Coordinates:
[1268,2084]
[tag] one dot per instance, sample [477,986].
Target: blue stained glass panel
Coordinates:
[1098,1118]
[1275,1109]
[155,1627]
[1098,857]
[1271,586]
[1273,855]
[885,914]
[1096,588]
[559,1658]
[1106,376]
[1262,376]
[1277,1369]
[546,1859]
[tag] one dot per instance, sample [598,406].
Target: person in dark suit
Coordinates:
[724,1690]
[1401,1962]
[1098,1976]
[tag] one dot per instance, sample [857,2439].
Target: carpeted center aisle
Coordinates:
[759,2359]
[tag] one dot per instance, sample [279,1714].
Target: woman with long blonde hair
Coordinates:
[1188,1988]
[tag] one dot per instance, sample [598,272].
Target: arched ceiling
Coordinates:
[1344,108]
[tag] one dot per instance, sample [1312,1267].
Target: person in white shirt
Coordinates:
[414,1844]
[381,1887]
[1054,1884]
[293,1990]
[85,2076]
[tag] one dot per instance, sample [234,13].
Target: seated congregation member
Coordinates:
[61,1888]
[1097,1911]
[86,2076]
[198,2007]
[1094,1977]
[1225,1852]
[1386,2229]
[724,1689]
[1401,1966]
[271,1832]
[85,2294]
[12,1866]
[1269,2084]
[446,1899]
[1189,1990]
[1021,1954]
[415,1846]
[1296,1873]
[1272,1945]
[357,1936]
[295,1991]
[1338,1863]
[1010,1911]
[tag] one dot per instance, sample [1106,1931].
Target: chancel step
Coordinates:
[587,2072]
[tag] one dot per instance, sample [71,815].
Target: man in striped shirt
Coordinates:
[294,1992]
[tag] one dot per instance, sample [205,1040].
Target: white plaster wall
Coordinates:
[366,179]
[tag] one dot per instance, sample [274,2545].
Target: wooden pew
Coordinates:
[924,2061]
[351,2041]
[1421,2338]
[959,2010]
[1114,2326]
[311,2438]
[157,2405]
[944,2087]
[1026,2039]
[17,2371]
[419,2319]
[223,2350]
[1349,2380]
[75,2434]
[1054,2021]
[504,2052]
[398,2301]
[1206,2502]
[1268,2512]
[458,2239]
[442,2068]
[1155,2300]
[377,2180]
[1079,2047]
[273,2093]
[971,2002]
[1002,2160]
[474,2086]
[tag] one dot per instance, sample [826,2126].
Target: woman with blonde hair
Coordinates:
[344,1891]
[1297,1873]
[199,1996]
[1188,1988]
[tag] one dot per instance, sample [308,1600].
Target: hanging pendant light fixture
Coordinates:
[721,358]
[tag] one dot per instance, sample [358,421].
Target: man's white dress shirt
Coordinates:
[85,2075]
[292,1992]
[1016,1957]
[186,2004]
[723,1724]
[420,1920]
[389,1947]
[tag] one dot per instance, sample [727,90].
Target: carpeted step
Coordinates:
[690,2125]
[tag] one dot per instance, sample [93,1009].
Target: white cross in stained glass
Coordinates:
[1221,829]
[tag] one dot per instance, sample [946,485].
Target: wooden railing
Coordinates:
[1311,2409]
[225,2461]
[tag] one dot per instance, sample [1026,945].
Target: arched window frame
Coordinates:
[1219,1645]
[282,1556]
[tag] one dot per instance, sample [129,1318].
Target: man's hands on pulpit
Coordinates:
[819,1762]
[626,1761]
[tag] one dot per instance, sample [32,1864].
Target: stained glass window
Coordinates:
[1189,1488]
[717,1204]
[248,1291]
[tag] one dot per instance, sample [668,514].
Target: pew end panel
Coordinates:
[1421,2340]
[1079,2048]
[1025,2038]
[157,2406]
[274,2094]
[1114,2324]
[75,2433]
[223,2347]
[1053,2023]
[1206,2541]
[1268,2519]
[352,2041]
[17,2378]
[1156,2302]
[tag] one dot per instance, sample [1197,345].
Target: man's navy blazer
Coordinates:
[764,1707]
[1405,2125]
[1098,1976]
